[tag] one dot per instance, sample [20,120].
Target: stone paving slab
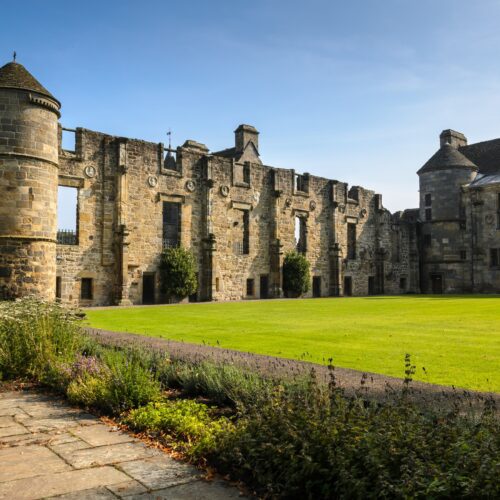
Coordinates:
[51,450]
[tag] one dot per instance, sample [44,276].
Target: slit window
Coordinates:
[86,291]
[58,287]
[67,215]
[351,241]
[171,224]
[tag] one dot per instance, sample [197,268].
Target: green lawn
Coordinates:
[456,338]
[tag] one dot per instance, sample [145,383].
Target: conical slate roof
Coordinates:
[447,157]
[15,76]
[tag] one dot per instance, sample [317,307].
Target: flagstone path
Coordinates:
[49,449]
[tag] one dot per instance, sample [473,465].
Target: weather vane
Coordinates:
[14,55]
[169,133]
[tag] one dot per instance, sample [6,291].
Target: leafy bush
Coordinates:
[177,273]
[296,276]
[182,419]
[35,337]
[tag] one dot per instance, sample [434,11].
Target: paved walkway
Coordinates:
[50,449]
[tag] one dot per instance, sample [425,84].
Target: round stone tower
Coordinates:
[28,185]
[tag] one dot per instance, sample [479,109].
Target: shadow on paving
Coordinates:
[376,386]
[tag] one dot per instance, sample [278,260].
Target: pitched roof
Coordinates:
[447,157]
[15,76]
[486,155]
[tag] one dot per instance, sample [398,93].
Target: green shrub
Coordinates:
[185,420]
[35,337]
[296,277]
[178,273]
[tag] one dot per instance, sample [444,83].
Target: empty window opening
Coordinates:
[428,214]
[264,286]
[463,255]
[68,140]
[67,215]
[371,285]
[498,211]
[242,173]
[148,288]
[300,234]
[58,287]
[351,241]
[241,232]
[402,283]
[250,287]
[301,183]
[170,160]
[428,200]
[171,224]
[86,291]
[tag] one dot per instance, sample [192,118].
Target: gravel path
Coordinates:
[377,386]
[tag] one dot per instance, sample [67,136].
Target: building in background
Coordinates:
[238,216]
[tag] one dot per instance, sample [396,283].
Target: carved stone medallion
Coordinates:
[190,186]
[90,171]
[152,181]
[224,191]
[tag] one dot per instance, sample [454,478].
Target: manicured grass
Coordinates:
[455,338]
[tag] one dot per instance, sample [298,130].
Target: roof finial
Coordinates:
[169,133]
[14,55]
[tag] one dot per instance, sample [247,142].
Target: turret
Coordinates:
[28,185]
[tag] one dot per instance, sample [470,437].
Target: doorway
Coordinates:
[437,283]
[316,286]
[347,286]
[148,288]
[264,286]
[371,285]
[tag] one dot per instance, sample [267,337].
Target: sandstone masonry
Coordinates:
[238,216]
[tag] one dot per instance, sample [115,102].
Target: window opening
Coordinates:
[68,140]
[351,241]
[171,224]
[250,287]
[67,215]
[86,289]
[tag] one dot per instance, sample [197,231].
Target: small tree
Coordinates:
[296,276]
[177,273]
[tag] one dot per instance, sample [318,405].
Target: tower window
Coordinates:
[428,214]
[351,241]
[427,240]
[171,224]
[86,291]
[428,200]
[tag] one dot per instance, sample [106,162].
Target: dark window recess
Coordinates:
[498,211]
[347,286]
[463,255]
[428,214]
[494,257]
[427,240]
[428,200]
[264,286]
[301,234]
[241,245]
[246,173]
[250,287]
[169,161]
[316,286]
[301,183]
[58,287]
[351,241]
[402,283]
[86,292]
[171,224]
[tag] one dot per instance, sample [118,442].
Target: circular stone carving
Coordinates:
[190,186]
[363,212]
[312,205]
[288,202]
[90,171]
[489,219]
[152,181]
[224,191]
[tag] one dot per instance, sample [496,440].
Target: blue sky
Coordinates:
[353,90]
